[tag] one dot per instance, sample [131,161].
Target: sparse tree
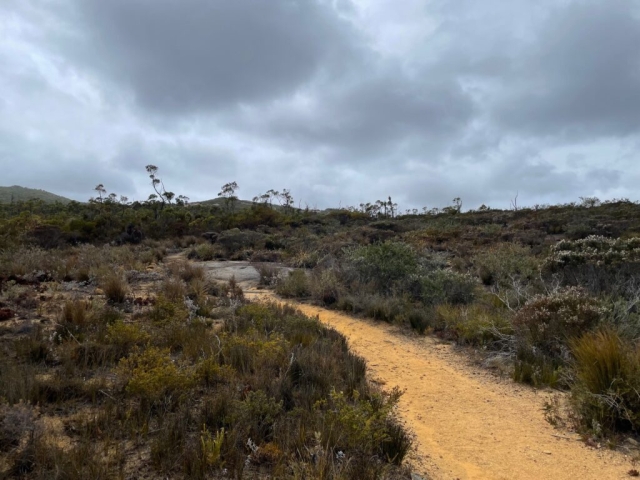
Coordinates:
[169,196]
[457,204]
[101,191]
[228,193]
[514,203]
[590,202]
[392,207]
[287,199]
[156,183]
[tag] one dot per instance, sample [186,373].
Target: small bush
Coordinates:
[474,324]
[34,348]
[187,271]
[115,288]
[295,285]
[605,394]
[166,312]
[364,424]
[446,286]
[268,274]
[126,335]
[548,322]
[174,289]
[205,252]
[419,319]
[498,265]
[151,374]
[382,264]
[15,423]
[325,287]
[75,312]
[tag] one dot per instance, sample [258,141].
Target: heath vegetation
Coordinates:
[116,357]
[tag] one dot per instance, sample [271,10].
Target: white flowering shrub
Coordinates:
[594,250]
[549,321]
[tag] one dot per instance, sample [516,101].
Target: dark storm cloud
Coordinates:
[199,55]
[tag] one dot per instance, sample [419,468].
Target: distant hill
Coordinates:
[239,204]
[17,194]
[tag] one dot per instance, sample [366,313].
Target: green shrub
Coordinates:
[152,373]
[605,393]
[257,414]
[167,312]
[115,288]
[126,335]
[187,271]
[174,289]
[364,424]
[205,252]
[474,324]
[537,369]
[235,240]
[419,319]
[295,285]
[325,287]
[383,265]
[500,264]
[447,286]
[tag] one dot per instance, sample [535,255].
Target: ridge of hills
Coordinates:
[17,193]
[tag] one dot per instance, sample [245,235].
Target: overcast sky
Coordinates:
[341,101]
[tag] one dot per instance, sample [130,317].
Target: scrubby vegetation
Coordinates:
[185,368]
[150,370]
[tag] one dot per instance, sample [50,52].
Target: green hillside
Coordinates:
[17,194]
[238,205]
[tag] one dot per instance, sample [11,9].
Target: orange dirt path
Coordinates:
[468,423]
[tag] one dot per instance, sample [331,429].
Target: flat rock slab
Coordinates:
[244,272]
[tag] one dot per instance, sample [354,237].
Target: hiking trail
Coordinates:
[468,423]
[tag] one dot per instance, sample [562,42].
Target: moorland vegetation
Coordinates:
[148,356]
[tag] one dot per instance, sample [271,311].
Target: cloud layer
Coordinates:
[340,101]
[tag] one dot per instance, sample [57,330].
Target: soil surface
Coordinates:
[468,423]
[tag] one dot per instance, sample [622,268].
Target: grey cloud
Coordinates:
[581,78]
[199,55]
[69,175]
[339,101]
[372,119]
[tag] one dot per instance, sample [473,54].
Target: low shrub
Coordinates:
[166,311]
[548,322]
[325,287]
[187,271]
[15,423]
[268,274]
[174,289]
[205,252]
[126,335]
[474,324]
[364,424]
[607,381]
[152,374]
[499,265]
[115,288]
[295,285]
[447,286]
[383,265]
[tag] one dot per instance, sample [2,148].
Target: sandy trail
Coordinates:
[468,424]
